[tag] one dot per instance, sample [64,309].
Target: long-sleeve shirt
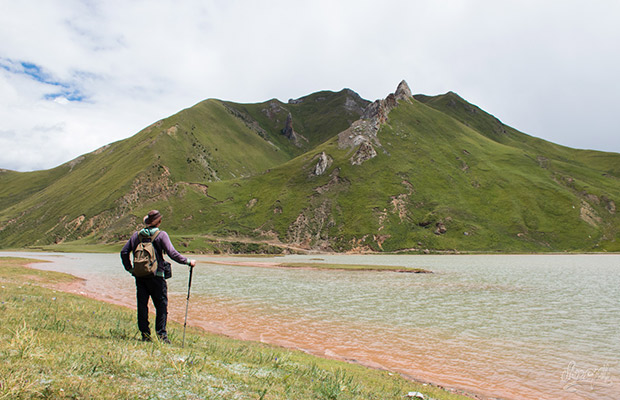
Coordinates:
[161,244]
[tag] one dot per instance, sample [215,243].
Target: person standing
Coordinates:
[153,286]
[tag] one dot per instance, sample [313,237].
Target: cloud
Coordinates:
[76,75]
[63,91]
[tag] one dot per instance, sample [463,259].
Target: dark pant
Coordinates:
[156,288]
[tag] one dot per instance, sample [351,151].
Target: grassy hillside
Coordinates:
[446,176]
[193,147]
[100,196]
[433,173]
[453,105]
[17,186]
[316,118]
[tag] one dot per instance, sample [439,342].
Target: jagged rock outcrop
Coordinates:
[440,228]
[588,214]
[288,130]
[364,153]
[403,92]
[323,163]
[363,132]
[290,133]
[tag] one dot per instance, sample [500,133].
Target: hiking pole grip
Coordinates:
[189,287]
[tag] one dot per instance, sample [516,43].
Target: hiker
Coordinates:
[152,285]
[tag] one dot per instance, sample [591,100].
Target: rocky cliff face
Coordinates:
[290,133]
[403,92]
[323,163]
[363,132]
[311,227]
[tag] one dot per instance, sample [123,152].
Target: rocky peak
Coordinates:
[363,132]
[381,108]
[402,91]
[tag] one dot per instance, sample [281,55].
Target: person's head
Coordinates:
[152,219]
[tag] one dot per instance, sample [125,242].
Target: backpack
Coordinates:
[144,259]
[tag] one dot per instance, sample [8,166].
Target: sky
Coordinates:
[76,75]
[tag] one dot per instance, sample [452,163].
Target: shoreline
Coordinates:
[41,321]
[68,248]
[421,354]
[78,287]
[322,266]
[455,390]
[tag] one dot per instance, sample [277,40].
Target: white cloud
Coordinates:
[114,67]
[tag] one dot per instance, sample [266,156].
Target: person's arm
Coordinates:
[127,250]
[164,242]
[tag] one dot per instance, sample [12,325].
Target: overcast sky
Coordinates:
[76,75]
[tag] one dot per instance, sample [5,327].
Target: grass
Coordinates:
[442,161]
[55,345]
[489,191]
[12,271]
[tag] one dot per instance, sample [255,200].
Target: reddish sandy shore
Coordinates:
[243,323]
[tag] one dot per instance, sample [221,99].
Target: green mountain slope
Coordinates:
[414,173]
[100,195]
[435,183]
[491,127]
[314,118]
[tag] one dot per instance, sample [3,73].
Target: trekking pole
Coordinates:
[189,287]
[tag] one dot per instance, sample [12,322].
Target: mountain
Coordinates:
[329,171]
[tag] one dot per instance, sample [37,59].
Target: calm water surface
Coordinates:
[515,327]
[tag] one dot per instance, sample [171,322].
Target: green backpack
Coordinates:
[144,259]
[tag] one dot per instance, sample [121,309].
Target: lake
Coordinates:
[507,326]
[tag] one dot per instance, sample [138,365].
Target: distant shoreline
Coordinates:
[322,266]
[116,247]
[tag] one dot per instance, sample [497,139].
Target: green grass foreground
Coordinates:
[56,345]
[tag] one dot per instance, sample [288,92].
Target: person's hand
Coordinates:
[192,263]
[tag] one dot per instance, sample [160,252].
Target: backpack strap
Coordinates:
[151,237]
[143,239]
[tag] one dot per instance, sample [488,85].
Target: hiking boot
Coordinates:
[164,339]
[146,337]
